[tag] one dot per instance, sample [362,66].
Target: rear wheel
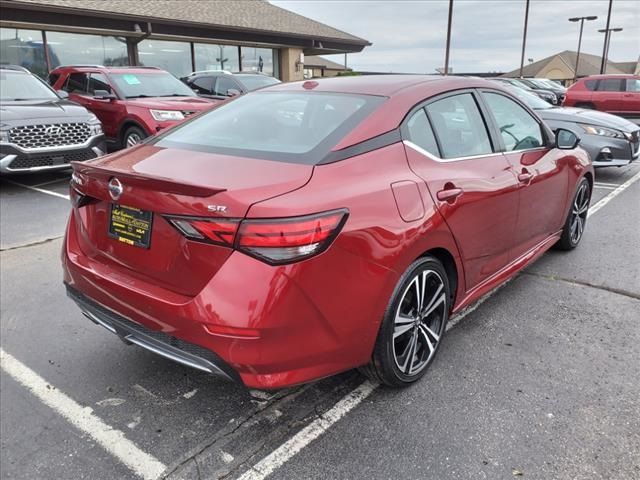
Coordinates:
[133,136]
[577,219]
[413,325]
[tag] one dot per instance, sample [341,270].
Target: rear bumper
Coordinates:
[157,342]
[270,327]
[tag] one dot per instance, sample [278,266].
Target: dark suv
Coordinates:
[132,102]
[39,128]
[219,84]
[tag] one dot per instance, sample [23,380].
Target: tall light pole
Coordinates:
[607,41]
[524,37]
[446,53]
[581,20]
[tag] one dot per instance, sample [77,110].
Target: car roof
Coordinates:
[610,75]
[118,69]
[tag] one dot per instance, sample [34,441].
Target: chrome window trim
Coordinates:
[426,153]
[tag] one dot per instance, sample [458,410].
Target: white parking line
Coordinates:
[57,180]
[315,429]
[112,440]
[612,195]
[36,189]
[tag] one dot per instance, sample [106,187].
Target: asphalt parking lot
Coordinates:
[540,380]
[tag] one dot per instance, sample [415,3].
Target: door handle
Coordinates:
[449,195]
[525,177]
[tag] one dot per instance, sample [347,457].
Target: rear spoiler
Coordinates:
[162,184]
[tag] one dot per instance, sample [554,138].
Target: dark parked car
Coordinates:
[39,128]
[131,102]
[216,243]
[545,95]
[545,85]
[617,94]
[611,141]
[220,84]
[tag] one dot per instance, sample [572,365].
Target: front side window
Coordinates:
[611,85]
[519,130]
[77,83]
[254,82]
[590,85]
[298,127]
[98,81]
[419,132]
[148,84]
[633,85]
[224,84]
[459,126]
[203,85]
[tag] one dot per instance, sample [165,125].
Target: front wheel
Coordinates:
[577,219]
[133,136]
[413,325]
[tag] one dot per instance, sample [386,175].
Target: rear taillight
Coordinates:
[275,241]
[79,199]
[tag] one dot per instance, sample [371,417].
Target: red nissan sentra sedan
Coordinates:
[313,227]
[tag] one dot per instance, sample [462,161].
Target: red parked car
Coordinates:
[131,102]
[308,228]
[617,94]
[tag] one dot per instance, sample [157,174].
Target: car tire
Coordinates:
[573,229]
[413,325]
[133,136]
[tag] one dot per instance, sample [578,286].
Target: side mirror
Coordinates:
[103,95]
[62,94]
[566,139]
[232,92]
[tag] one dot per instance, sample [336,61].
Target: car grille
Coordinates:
[30,137]
[51,159]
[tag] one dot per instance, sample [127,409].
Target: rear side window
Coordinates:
[98,81]
[298,127]
[77,83]
[419,132]
[611,85]
[519,130]
[633,85]
[459,126]
[590,85]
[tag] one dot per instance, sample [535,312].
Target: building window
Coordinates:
[174,57]
[80,49]
[24,48]
[216,57]
[258,60]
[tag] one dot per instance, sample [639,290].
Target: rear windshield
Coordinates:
[140,85]
[298,127]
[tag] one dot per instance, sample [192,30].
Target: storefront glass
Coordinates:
[81,49]
[216,57]
[174,57]
[23,48]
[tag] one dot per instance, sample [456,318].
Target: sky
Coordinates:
[410,36]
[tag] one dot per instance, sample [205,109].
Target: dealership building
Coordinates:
[179,36]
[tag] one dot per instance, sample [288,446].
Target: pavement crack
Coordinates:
[32,244]
[573,281]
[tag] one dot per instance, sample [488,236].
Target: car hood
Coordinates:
[41,109]
[175,103]
[592,117]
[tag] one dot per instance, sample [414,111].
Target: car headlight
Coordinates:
[602,131]
[95,127]
[164,115]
